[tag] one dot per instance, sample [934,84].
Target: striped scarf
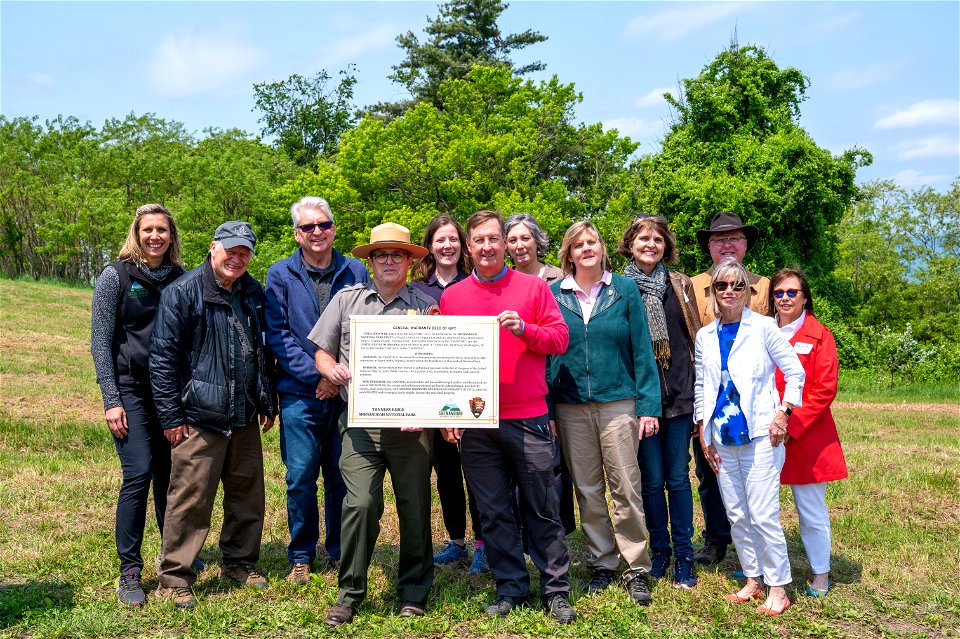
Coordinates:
[652,288]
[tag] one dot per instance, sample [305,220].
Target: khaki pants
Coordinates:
[602,439]
[199,463]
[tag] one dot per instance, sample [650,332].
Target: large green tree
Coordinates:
[463,35]
[495,140]
[306,115]
[735,144]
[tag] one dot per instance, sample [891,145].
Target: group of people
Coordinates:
[605,379]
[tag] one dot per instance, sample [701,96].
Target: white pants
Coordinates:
[749,480]
[811,500]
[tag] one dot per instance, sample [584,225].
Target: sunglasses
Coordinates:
[310,228]
[790,292]
[720,287]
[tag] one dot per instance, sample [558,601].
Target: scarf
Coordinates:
[652,288]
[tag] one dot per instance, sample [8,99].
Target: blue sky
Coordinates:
[885,76]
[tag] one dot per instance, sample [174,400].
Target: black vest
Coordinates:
[136,311]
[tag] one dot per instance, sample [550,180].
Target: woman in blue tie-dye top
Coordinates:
[742,426]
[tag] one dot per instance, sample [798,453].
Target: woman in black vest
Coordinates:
[125,301]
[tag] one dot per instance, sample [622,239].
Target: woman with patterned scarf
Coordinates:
[665,456]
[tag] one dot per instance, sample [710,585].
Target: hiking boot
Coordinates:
[600,580]
[243,573]
[639,589]
[479,563]
[711,554]
[129,589]
[299,574]
[558,605]
[660,561]
[452,553]
[684,574]
[181,595]
[503,605]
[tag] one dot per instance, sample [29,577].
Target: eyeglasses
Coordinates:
[310,228]
[721,286]
[727,240]
[790,292]
[383,258]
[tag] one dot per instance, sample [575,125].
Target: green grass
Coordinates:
[896,522]
[866,386]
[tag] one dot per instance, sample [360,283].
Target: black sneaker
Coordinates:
[600,580]
[661,561]
[711,554]
[640,590]
[503,605]
[558,605]
[129,589]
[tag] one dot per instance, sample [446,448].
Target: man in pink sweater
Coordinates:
[521,452]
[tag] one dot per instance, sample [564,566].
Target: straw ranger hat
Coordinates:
[390,236]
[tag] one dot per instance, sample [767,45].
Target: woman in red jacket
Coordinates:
[814,455]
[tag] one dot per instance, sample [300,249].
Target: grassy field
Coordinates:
[896,525]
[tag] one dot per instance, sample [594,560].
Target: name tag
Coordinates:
[802,348]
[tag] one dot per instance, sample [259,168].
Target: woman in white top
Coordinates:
[742,426]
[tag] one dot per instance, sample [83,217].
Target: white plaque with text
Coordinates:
[431,371]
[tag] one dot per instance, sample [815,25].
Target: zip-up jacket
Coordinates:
[610,357]
[192,354]
[292,310]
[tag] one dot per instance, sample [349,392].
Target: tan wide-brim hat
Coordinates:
[390,236]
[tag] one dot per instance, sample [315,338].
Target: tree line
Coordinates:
[476,134]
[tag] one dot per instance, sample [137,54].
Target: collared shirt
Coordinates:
[332,330]
[432,286]
[791,329]
[496,277]
[586,299]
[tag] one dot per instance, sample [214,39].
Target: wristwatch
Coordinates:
[786,410]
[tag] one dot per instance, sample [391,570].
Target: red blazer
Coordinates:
[813,451]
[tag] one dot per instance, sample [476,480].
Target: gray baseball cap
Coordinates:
[235,233]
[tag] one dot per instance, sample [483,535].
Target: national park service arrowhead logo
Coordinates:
[477,404]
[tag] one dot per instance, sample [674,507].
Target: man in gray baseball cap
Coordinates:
[211,375]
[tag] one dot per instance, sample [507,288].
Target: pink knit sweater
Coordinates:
[523,383]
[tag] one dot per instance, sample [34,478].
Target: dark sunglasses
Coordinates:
[720,287]
[309,228]
[790,292]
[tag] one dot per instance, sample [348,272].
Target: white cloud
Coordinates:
[944,111]
[655,97]
[863,77]
[671,24]
[349,48]
[910,178]
[634,127]
[192,63]
[924,148]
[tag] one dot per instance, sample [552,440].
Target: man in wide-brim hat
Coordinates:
[369,452]
[727,237]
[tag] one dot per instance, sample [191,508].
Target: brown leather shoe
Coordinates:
[338,614]
[411,609]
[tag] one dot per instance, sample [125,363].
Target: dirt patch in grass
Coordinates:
[42,397]
[946,409]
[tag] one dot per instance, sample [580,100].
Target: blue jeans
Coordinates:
[665,464]
[310,443]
